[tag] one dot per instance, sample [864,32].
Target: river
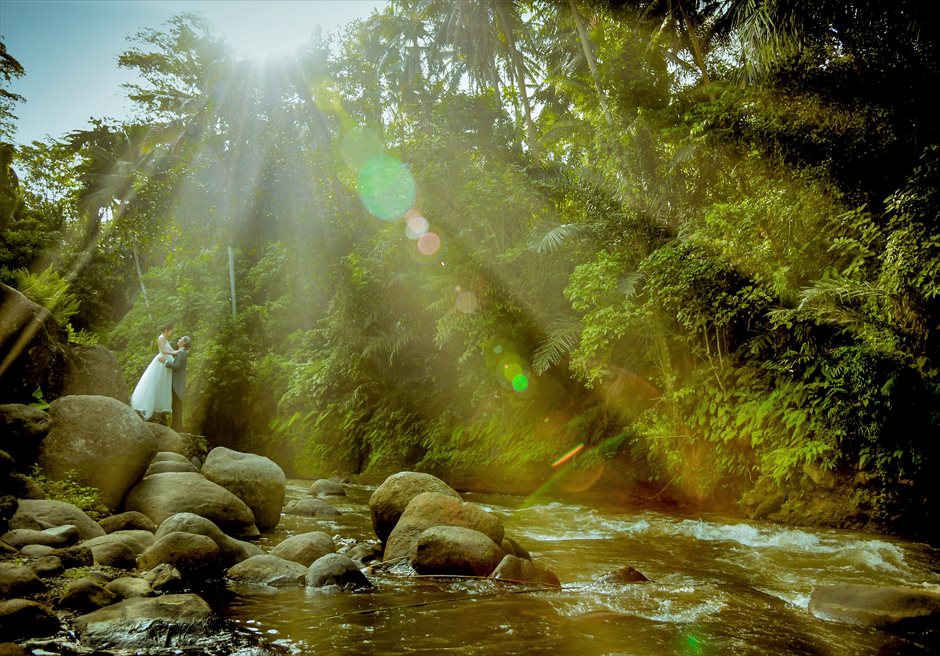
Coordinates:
[717,586]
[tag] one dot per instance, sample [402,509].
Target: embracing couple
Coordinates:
[163,384]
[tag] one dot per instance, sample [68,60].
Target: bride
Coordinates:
[153,391]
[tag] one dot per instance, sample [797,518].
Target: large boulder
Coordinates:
[142,623]
[193,555]
[45,513]
[33,349]
[876,605]
[169,441]
[89,431]
[94,370]
[267,569]
[456,550]
[390,499]
[434,509]
[231,550]
[22,430]
[160,495]
[305,547]
[256,480]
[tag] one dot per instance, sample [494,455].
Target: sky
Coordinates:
[69,48]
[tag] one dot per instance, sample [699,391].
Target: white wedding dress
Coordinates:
[154,389]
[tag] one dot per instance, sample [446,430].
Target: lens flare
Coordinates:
[416,226]
[429,243]
[386,187]
[520,383]
[360,145]
[568,456]
[466,302]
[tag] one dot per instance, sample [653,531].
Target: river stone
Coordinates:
[366,552]
[324,487]
[127,587]
[58,536]
[85,595]
[75,556]
[18,580]
[390,499]
[256,480]
[456,550]
[191,554]
[130,520]
[434,509]
[170,456]
[305,547]
[93,369]
[876,605]
[22,618]
[47,566]
[36,550]
[311,508]
[162,495]
[45,513]
[164,578]
[512,568]
[232,550]
[22,429]
[88,431]
[336,569]
[267,569]
[625,574]
[142,623]
[168,440]
[165,466]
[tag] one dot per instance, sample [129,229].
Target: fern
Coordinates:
[560,341]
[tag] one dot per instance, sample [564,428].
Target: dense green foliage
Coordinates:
[470,236]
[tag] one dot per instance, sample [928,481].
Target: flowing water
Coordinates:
[717,586]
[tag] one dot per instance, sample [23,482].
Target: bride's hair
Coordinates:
[165,327]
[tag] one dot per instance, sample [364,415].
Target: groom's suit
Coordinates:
[179,387]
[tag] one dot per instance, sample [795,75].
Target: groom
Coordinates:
[178,365]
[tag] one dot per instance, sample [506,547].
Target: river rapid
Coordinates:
[717,586]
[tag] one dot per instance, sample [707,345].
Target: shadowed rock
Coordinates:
[266,569]
[876,605]
[336,569]
[44,513]
[130,520]
[256,480]
[305,547]
[147,622]
[21,618]
[231,550]
[193,555]
[456,550]
[512,568]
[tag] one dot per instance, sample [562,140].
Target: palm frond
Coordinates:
[560,341]
[550,236]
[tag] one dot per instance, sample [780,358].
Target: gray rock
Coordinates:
[127,520]
[90,430]
[266,569]
[311,508]
[22,429]
[75,556]
[456,550]
[114,554]
[366,553]
[170,456]
[625,574]
[336,569]
[162,495]
[56,537]
[21,618]
[93,369]
[18,580]
[876,605]
[434,509]
[127,587]
[166,466]
[164,578]
[305,547]
[85,595]
[47,566]
[513,568]
[324,487]
[390,499]
[232,550]
[191,554]
[136,540]
[45,513]
[256,480]
[142,623]
[37,550]
[169,441]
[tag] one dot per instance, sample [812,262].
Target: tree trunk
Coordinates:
[589,55]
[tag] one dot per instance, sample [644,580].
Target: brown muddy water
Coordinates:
[717,586]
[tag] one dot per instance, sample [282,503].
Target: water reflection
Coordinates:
[716,587]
